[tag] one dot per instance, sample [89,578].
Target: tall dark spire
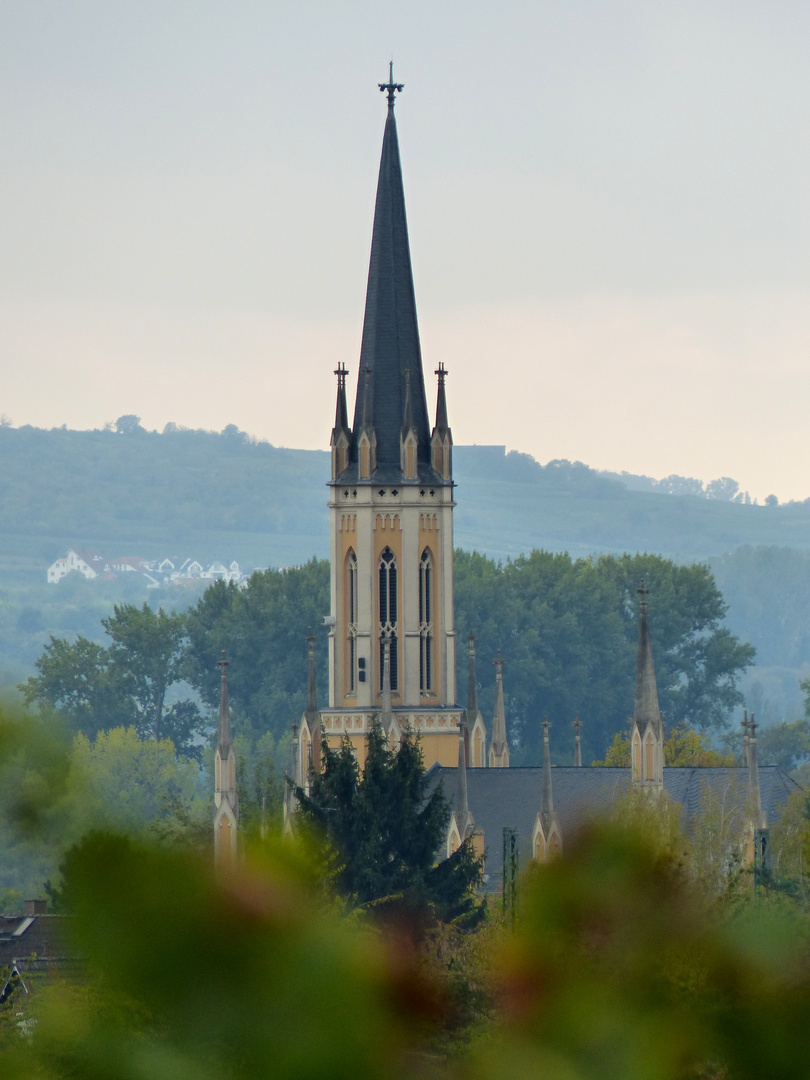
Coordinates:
[390,345]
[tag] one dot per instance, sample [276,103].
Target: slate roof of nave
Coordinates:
[512,797]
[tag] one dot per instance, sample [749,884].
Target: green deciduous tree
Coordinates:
[683,748]
[786,745]
[263,629]
[78,679]
[125,684]
[387,828]
[123,782]
[569,631]
[148,654]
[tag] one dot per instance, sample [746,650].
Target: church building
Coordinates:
[392,638]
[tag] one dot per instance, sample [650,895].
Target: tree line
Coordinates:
[567,628]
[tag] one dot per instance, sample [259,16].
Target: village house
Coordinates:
[89,562]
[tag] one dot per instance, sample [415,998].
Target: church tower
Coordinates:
[391,507]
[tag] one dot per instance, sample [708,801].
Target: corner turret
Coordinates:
[547,836]
[475,726]
[576,725]
[311,720]
[226,800]
[647,731]
[758,854]
[340,440]
[499,748]
[441,441]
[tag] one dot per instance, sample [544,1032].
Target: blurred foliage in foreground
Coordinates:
[618,968]
[624,963]
[56,786]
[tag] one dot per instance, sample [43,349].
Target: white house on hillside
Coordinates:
[89,562]
[127,564]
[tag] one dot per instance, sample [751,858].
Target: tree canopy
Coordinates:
[567,628]
[386,827]
[684,747]
[262,627]
[569,632]
[124,684]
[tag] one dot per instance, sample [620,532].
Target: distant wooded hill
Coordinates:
[205,494]
[208,495]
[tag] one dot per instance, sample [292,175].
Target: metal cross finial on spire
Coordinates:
[391,87]
[499,662]
[545,724]
[441,371]
[576,724]
[340,371]
[223,665]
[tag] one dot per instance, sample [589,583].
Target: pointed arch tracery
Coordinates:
[389,613]
[351,621]
[649,769]
[426,586]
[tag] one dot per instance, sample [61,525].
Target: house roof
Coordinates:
[47,937]
[129,560]
[512,797]
[92,556]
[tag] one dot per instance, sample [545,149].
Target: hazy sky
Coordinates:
[608,210]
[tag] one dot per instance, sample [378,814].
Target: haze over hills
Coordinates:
[216,495]
[223,495]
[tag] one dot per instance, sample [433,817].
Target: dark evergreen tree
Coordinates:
[387,826]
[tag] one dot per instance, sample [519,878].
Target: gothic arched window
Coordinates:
[389,612]
[426,622]
[351,622]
